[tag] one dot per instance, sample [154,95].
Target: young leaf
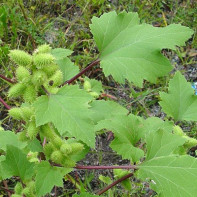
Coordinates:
[132,51]
[69,111]
[96,86]
[67,67]
[60,53]
[180,101]
[127,130]
[171,175]
[16,164]
[162,143]
[47,177]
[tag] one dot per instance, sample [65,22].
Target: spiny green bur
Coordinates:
[48,149]
[76,147]
[32,130]
[30,94]
[16,90]
[57,156]
[66,148]
[20,57]
[16,113]
[23,74]
[42,60]
[45,48]
[18,188]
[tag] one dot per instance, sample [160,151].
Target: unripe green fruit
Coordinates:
[49,149]
[22,74]
[66,148]
[45,48]
[57,142]
[87,86]
[94,94]
[18,188]
[27,192]
[27,113]
[32,130]
[57,78]
[16,90]
[76,147]
[69,163]
[16,113]
[20,57]
[30,94]
[43,60]
[57,156]
[191,142]
[39,77]
[22,136]
[50,70]
[47,131]
[177,130]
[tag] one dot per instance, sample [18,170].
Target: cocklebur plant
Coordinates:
[61,117]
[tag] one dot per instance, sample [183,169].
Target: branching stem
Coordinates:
[5,104]
[114,183]
[81,72]
[7,79]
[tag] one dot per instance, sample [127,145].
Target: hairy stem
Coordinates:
[114,183]
[105,167]
[7,79]
[5,104]
[81,72]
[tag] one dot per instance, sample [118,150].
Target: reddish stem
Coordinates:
[105,167]
[5,104]
[114,183]
[82,72]
[7,79]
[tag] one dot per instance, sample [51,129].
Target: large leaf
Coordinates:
[60,53]
[180,101]
[47,177]
[132,51]
[128,130]
[16,164]
[171,175]
[69,112]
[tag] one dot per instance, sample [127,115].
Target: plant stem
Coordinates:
[45,90]
[81,72]
[5,104]
[114,183]
[105,167]
[7,79]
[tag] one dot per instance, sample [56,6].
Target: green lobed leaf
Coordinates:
[16,164]
[171,175]
[180,101]
[10,138]
[130,50]
[128,130]
[69,111]
[47,177]
[96,86]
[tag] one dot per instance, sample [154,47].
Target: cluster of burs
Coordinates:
[33,73]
